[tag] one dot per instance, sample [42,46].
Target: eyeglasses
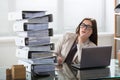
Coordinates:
[83,25]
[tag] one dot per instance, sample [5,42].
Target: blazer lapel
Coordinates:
[70,43]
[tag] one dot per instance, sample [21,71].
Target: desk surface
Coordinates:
[66,72]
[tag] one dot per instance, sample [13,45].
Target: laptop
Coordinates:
[94,57]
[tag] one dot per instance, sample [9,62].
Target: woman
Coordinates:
[85,36]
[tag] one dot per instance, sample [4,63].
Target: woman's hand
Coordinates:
[84,36]
[60,60]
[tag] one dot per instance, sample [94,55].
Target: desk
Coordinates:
[66,72]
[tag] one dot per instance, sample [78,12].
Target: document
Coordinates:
[19,26]
[39,33]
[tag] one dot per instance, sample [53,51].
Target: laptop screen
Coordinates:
[98,56]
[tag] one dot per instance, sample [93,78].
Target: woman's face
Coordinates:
[86,28]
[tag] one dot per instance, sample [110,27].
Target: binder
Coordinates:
[42,65]
[44,47]
[32,41]
[39,33]
[20,53]
[43,19]
[19,26]
[43,60]
[25,14]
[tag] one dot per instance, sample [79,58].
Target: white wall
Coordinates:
[3,14]
[76,10]
[109,15]
[7,51]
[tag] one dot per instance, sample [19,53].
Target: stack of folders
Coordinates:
[34,46]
